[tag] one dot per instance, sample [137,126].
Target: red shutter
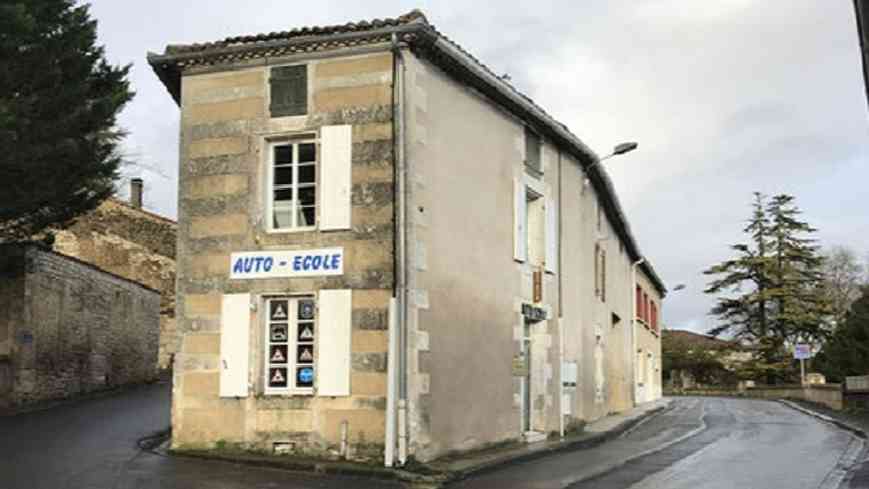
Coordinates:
[639,304]
[646,308]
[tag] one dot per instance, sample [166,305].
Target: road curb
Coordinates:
[587,442]
[428,477]
[823,417]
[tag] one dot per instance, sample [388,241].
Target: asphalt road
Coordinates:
[93,445]
[707,443]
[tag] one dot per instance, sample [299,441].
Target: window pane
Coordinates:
[305,354]
[283,154]
[278,377]
[284,195]
[307,216]
[307,152]
[307,195]
[305,377]
[284,175]
[307,174]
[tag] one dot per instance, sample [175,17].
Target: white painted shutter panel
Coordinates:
[333,356]
[520,220]
[336,147]
[234,345]
[551,236]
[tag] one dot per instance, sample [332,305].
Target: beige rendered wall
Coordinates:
[649,342]
[588,320]
[466,323]
[224,123]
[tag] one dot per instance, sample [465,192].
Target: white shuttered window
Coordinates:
[520,221]
[234,345]
[551,236]
[333,355]
[336,144]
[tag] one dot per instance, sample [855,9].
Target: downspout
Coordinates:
[560,308]
[400,181]
[634,328]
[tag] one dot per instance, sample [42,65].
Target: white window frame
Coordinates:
[292,343]
[295,141]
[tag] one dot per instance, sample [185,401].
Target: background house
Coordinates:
[125,239]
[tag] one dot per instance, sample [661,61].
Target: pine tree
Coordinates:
[744,301]
[59,99]
[801,307]
[771,294]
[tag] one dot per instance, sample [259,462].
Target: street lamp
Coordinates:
[619,149]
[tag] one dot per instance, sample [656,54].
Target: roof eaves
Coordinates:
[548,125]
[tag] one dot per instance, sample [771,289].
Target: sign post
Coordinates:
[802,351]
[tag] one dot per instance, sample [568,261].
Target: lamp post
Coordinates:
[619,149]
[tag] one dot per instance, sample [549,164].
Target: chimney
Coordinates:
[136,192]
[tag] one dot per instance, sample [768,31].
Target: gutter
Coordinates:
[400,270]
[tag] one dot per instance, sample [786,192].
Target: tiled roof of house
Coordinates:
[412,29]
[301,32]
[702,340]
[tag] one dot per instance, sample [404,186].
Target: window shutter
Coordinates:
[234,345]
[603,275]
[551,236]
[289,90]
[336,144]
[333,355]
[520,220]
[597,270]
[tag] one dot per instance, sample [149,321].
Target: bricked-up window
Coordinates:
[293,177]
[533,148]
[600,272]
[289,90]
[290,335]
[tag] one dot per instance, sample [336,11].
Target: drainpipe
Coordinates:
[634,328]
[560,310]
[400,176]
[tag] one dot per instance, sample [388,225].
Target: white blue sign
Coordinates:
[802,351]
[277,264]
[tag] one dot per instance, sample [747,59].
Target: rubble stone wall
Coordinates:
[73,328]
[134,244]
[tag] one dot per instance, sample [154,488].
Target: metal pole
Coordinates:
[803,371]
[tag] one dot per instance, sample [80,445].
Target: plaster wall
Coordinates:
[466,322]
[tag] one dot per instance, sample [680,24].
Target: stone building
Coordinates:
[68,328]
[386,250]
[126,240]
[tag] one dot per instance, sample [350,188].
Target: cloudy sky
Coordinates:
[725,97]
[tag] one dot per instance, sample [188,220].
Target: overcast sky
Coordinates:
[725,97]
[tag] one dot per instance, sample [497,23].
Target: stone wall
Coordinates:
[134,244]
[224,126]
[74,328]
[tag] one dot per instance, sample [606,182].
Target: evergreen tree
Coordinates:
[801,307]
[847,351]
[59,98]
[771,293]
[744,301]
